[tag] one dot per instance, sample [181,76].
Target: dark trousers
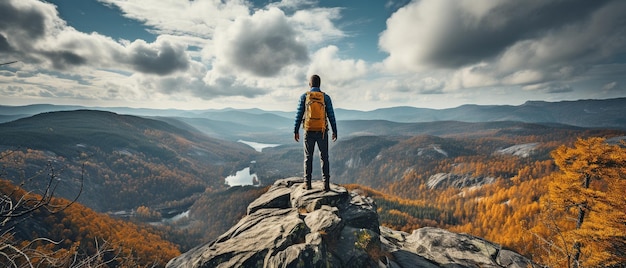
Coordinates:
[321,139]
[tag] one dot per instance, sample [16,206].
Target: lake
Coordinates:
[242,177]
[258,146]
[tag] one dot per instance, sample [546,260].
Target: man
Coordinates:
[313,135]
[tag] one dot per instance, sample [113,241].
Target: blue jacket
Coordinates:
[330,112]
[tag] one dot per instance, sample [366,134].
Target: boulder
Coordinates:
[434,247]
[289,226]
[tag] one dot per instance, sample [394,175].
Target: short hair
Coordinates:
[315,80]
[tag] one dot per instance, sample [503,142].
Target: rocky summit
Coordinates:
[289,226]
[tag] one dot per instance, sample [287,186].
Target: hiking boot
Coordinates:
[326,185]
[307,186]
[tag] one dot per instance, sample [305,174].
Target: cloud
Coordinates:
[57,61]
[541,46]
[4,44]
[63,58]
[316,25]
[549,88]
[611,86]
[242,53]
[335,71]
[261,44]
[479,75]
[26,20]
[226,86]
[422,85]
[453,34]
[197,18]
[25,23]
[292,4]
[160,58]
[221,52]
[32,32]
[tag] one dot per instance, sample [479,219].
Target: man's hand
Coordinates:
[296,136]
[334,137]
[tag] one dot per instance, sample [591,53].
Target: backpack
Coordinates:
[315,112]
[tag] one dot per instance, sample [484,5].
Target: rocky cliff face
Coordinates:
[292,227]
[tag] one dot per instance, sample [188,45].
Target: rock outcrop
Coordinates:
[444,180]
[292,227]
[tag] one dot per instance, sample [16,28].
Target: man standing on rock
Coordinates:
[314,108]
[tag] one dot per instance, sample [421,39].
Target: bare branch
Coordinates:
[7,63]
[16,206]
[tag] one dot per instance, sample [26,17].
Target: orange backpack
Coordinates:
[315,112]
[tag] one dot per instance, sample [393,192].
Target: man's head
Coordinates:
[315,81]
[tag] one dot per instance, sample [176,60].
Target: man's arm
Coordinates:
[299,115]
[330,113]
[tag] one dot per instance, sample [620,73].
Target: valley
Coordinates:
[192,174]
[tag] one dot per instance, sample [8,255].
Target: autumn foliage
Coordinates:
[534,207]
[585,209]
[564,206]
[78,233]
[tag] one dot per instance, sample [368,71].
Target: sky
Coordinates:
[214,54]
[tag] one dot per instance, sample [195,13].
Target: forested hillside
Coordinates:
[49,232]
[128,161]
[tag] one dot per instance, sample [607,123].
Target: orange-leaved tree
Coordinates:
[586,205]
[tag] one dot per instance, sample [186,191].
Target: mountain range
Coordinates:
[267,126]
[169,161]
[205,142]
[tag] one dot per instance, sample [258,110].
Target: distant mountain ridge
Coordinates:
[608,113]
[593,113]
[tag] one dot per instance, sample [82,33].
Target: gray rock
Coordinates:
[314,199]
[434,247]
[392,239]
[278,196]
[404,258]
[298,255]
[510,259]
[452,249]
[325,221]
[248,242]
[444,180]
[360,212]
[292,227]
